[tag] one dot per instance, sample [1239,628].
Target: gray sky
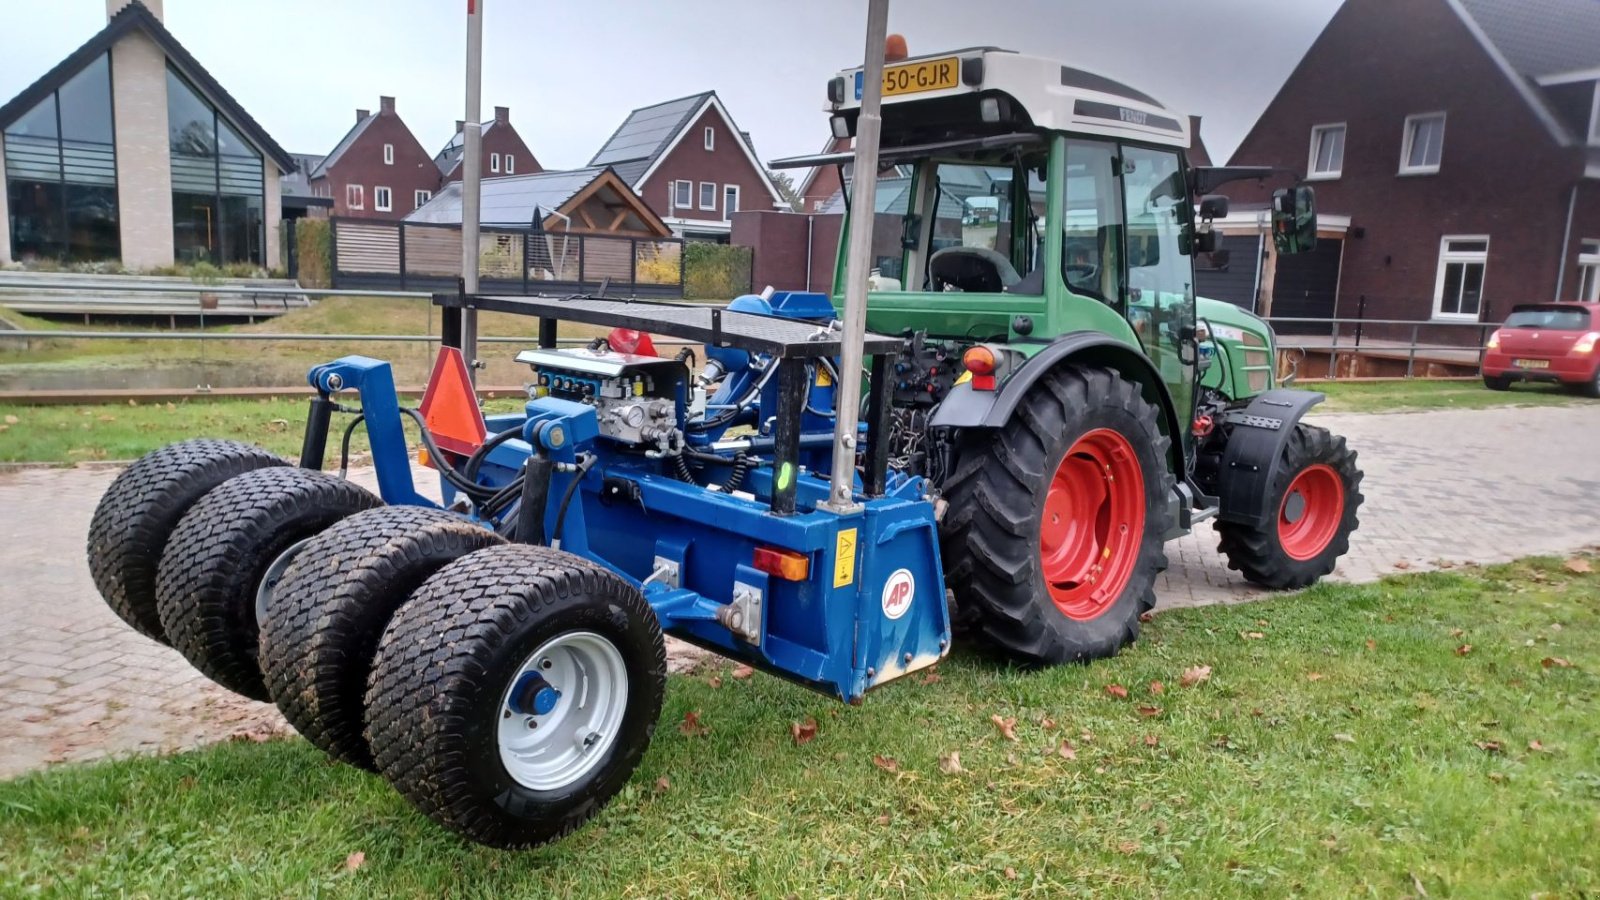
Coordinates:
[571,69]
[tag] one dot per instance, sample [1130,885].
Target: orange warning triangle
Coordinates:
[450,407]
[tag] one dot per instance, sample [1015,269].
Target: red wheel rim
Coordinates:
[1311,511]
[1092,524]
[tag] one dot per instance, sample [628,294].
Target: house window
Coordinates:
[711,138]
[683,195]
[494,162]
[1589,272]
[418,198]
[708,195]
[218,182]
[511,164]
[730,201]
[1424,144]
[382,199]
[355,196]
[1327,151]
[1458,290]
[388,154]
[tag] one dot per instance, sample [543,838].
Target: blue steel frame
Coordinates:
[872,608]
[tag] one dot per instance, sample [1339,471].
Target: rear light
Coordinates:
[1494,340]
[786,564]
[980,362]
[1586,343]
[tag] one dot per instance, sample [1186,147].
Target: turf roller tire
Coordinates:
[332,606]
[437,700]
[1038,466]
[141,508]
[1285,554]
[210,571]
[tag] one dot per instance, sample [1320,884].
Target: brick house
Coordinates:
[504,151]
[129,150]
[691,164]
[378,170]
[1461,139]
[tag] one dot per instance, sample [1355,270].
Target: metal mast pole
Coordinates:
[471,172]
[858,260]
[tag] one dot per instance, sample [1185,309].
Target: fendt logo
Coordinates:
[1133,116]
[897,593]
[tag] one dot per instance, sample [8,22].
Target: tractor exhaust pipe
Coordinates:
[858,258]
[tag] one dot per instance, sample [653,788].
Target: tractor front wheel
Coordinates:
[218,572]
[318,641]
[1054,536]
[515,692]
[1314,496]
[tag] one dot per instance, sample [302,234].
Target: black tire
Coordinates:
[332,606]
[991,535]
[1590,388]
[446,661]
[206,584]
[1258,552]
[140,509]
[1497,382]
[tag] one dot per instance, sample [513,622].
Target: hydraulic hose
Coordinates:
[344,445]
[567,495]
[477,492]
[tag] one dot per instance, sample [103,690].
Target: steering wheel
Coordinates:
[1086,273]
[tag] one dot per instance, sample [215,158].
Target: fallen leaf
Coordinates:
[12,420]
[803,732]
[1372,644]
[1157,688]
[1576,564]
[1402,564]
[1555,662]
[1067,750]
[742,672]
[883,819]
[1128,847]
[1252,635]
[1345,738]
[1497,777]
[1537,747]
[1117,691]
[354,861]
[1457,632]
[950,763]
[1488,746]
[1012,873]
[1147,617]
[1151,740]
[691,724]
[1314,676]
[886,763]
[1463,650]
[715,681]
[1149,711]
[1195,675]
[1047,723]
[1008,727]
[1416,885]
[663,784]
[931,678]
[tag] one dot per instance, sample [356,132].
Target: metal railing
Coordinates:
[1348,337]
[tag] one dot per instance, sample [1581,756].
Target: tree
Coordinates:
[784,182]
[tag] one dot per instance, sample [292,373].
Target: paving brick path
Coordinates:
[75,683]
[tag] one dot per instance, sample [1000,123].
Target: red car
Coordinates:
[1546,342]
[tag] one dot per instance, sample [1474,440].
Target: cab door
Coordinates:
[1160,277]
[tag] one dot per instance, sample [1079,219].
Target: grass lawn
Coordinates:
[1428,733]
[1423,393]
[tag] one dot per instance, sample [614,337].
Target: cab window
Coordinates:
[1091,240]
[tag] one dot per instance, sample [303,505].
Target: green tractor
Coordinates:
[1071,401]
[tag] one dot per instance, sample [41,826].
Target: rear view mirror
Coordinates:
[1294,219]
[1214,207]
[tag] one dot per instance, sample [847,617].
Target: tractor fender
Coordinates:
[1254,453]
[964,407]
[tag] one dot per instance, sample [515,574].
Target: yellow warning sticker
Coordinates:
[844,558]
[823,378]
[965,377]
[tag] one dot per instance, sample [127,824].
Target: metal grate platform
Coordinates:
[713,325]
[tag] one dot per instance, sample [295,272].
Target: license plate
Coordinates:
[1531,363]
[918,77]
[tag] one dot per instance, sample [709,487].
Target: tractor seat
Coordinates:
[972,270]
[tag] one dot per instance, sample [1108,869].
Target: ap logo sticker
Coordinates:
[897,593]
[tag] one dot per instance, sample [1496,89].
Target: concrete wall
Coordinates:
[5,213]
[144,160]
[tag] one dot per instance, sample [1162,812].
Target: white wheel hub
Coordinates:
[562,710]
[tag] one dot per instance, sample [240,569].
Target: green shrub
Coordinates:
[313,243]
[715,271]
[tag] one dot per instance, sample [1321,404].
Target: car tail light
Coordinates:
[1494,340]
[786,564]
[1586,343]
[980,362]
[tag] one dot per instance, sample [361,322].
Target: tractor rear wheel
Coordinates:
[139,511]
[1053,538]
[226,556]
[318,640]
[515,693]
[1315,496]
